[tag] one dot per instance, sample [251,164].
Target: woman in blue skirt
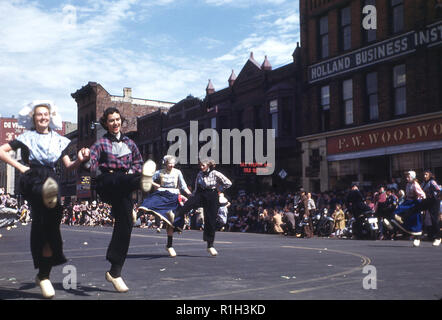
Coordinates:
[408,215]
[165,200]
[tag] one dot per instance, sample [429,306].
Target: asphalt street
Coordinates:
[248,267]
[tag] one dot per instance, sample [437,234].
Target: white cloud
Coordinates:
[289,23]
[226,57]
[243,3]
[209,43]
[276,32]
[47,54]
[50,54]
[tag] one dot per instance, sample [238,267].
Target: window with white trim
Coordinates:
[323,37]
[345,28]
[325,108]
[347,97]
[371,81]
[399,85]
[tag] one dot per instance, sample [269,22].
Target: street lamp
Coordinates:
[94,125]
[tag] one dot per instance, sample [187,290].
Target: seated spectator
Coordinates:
[277,222]
[339,220]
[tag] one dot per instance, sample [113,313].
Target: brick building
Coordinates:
[154,129]
[258,98]
[372,98]
[92,99]
[68,178]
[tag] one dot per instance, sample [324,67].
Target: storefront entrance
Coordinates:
[371,172]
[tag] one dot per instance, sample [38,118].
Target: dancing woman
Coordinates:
[223,211]
[122,172]
[165,200]
[208,184]
[433,191]
[408,215]
[41,148]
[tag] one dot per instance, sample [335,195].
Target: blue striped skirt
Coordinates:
[411,209]
[161,202]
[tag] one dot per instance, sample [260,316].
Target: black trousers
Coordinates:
[434,211]
[116,189]
[209,201]
[45,227]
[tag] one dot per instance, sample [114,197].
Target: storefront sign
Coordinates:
[84,187]
[430,130]
[384,50]
[252,167]
[10,129]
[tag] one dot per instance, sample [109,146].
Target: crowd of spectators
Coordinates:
[7,200]
[83,213]
[273,213]
[268,212]
[10,206]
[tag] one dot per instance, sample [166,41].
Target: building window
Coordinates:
[345,29]
[399,85]
[397,15]
[325,108]
[372,95]
[369,35]
[93,117]
[274,116]
[347,97]
[323,37]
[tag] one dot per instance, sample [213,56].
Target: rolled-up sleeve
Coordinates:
[94,156]
[223,182]
[181,182]
[137,159]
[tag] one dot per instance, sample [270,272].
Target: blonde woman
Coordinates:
[408,215]
[165,200]
[41,149]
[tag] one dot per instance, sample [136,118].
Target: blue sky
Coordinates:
[162,49]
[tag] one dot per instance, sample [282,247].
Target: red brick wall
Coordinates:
[424,76]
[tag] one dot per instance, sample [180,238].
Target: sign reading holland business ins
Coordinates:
[384,50]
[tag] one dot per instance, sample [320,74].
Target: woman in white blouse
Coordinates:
[41,148]
[165,200]
[408,215]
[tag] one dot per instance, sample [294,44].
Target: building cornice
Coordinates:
[371,126]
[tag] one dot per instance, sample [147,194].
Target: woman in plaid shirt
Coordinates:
[433,191]
[208,184]
[121,172]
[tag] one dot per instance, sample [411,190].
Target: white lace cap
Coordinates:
[412,174]
[26,115]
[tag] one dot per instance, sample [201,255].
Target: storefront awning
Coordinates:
[422,146]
